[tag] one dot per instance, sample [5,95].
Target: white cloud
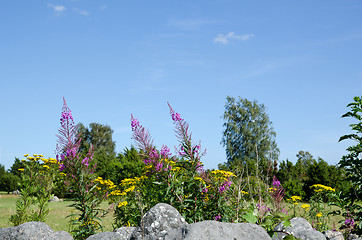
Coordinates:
[58,9]
[224,39]
[81,12]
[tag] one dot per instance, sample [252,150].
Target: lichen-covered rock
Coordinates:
[213,230]
[299,228]
[125,232]
[106,236]
[33,231]
[157,222]
[333,235]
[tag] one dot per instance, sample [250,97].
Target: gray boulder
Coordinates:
[213,230]
[33,231]
[106,236]
[158,222]
[123,233]
[333,235]
[16,192]
[299,228]
[54,199]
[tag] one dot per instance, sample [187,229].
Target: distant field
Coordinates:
[59,210]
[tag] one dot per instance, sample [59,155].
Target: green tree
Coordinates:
[248,137]
[100,137]
[128,165]
[8,181]
[16,165]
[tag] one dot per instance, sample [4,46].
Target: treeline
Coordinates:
[295,178]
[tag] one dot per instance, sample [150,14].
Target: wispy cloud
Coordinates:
[224,39]
[58,9]
[81,12]
[189,24]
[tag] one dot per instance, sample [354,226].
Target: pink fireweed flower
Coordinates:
[349,222]
[85,161]
[276,183]
[154,154]
[217,217]
[141,136]
[225,186]
[68,137]
[134,124]
[277,194]
[176,117]
[165,151]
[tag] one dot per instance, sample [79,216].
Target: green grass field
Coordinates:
[59,210]
[56,219]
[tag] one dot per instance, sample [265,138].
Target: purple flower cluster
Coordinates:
[263,210]
[176,117]
[165,152]
[217,217]
[224,186]
[349,222]
[276,183]
[134,124]
[277,194]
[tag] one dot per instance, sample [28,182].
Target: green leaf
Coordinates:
[250,218]
[286,223]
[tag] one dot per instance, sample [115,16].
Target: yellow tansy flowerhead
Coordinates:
[296,198]
[319,215]
[23,160]
[21,169]
[26,155]
[63,174]
[121,204]
[295,203]
[46,166]
[243,192]
[306,207]
[320,187]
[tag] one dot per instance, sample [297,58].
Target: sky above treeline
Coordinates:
[111,59]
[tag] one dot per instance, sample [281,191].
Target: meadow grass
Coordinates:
[57,217]
[59,210]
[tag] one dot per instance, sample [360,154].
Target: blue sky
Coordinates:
[302,59]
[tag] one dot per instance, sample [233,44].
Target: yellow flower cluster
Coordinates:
[319,214]
[272,189]
[35,158]
[132,181]
[200,179]
[305,207]
[106,183]
[243,192]
[320,188]
[223,175]
[91,222]
[296,198]
[121,204]
[49,161]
